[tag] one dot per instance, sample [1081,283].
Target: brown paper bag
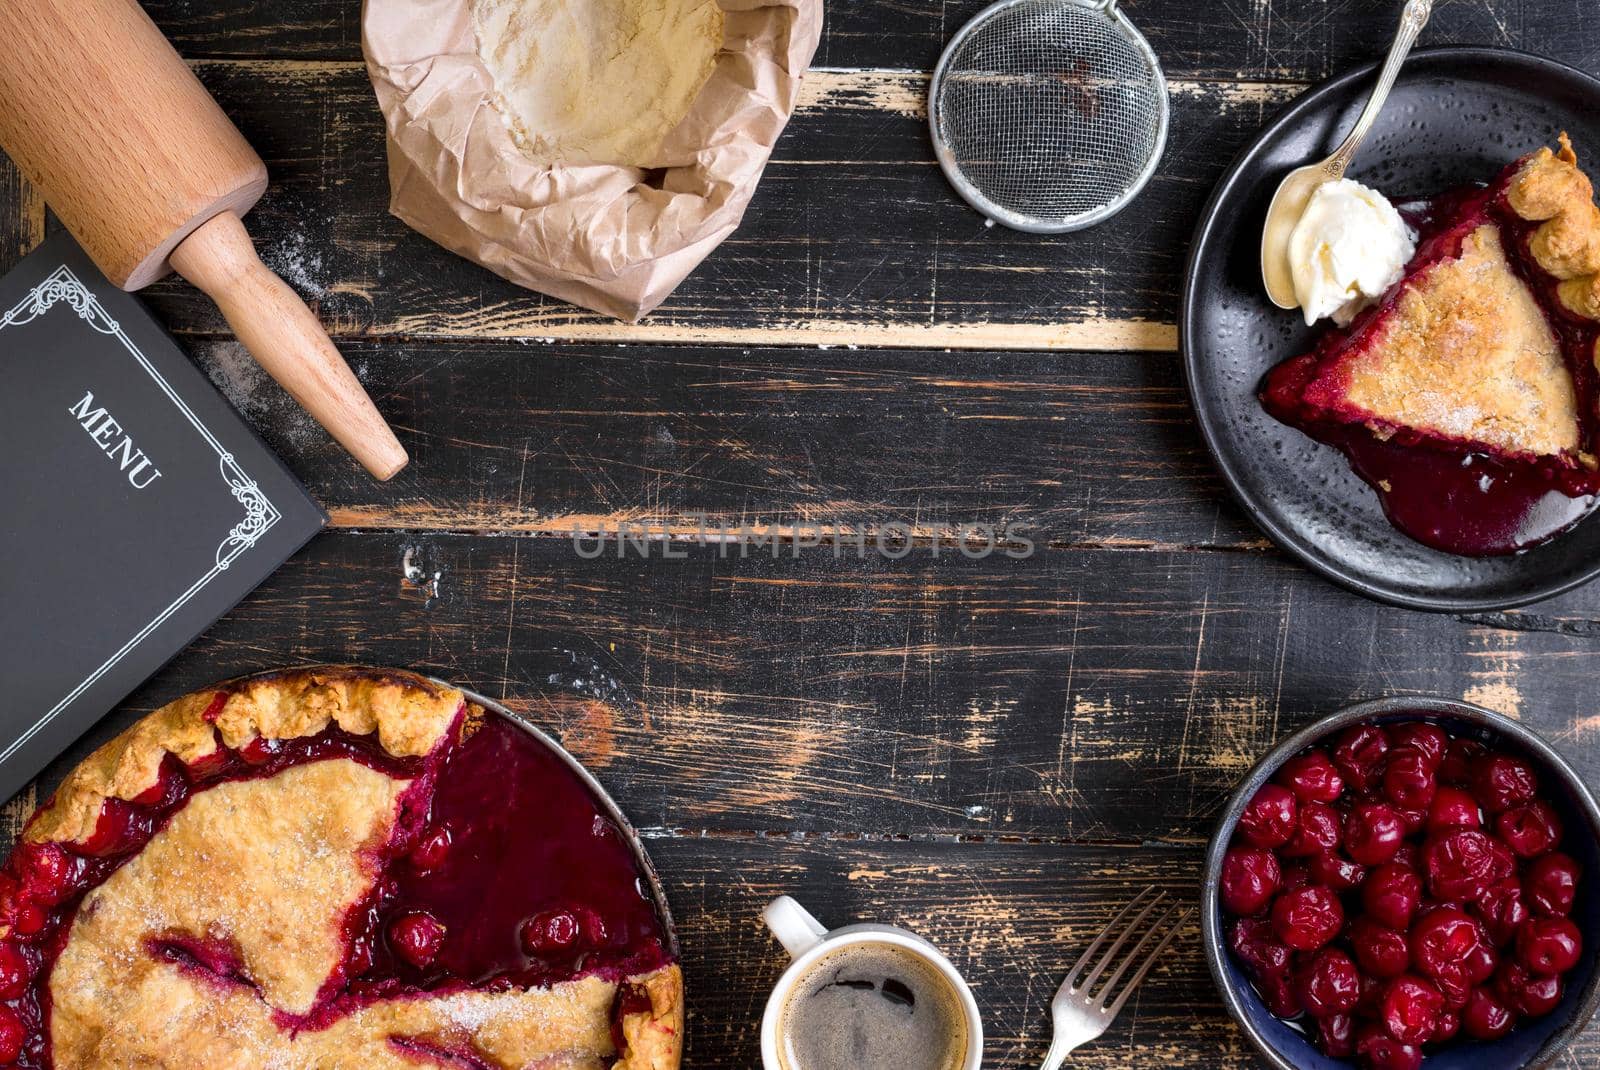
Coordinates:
[614,239]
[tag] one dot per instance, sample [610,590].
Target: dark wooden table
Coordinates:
[993,752]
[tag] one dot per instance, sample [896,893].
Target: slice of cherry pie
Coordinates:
[1467,396]
[331,869]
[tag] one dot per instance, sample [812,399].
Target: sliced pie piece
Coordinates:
[330,869]
[1468,395]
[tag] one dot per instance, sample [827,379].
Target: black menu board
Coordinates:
[136,507]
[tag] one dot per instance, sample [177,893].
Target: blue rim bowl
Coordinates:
[1527,1047]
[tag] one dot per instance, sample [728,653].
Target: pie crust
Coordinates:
[1485,355]
[1471,347]
[225,938]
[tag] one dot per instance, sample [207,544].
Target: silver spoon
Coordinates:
[1295,191]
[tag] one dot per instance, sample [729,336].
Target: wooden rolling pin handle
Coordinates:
[286,338]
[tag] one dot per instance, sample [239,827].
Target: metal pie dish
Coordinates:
[1527,1047]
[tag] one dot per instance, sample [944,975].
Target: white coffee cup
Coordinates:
[806,940]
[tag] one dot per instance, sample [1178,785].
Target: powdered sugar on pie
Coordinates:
[220,887]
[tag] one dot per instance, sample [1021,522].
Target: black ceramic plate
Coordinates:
[1457,115]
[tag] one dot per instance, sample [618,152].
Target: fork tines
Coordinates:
[1154,915]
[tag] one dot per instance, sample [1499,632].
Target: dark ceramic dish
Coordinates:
[1525,1048]
[1457,116]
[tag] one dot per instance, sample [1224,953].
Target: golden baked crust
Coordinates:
[410,714]
[261,875]
[655,1039]
[270,866]
[1552,190]
[1467,354]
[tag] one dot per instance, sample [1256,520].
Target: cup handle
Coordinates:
[793,925]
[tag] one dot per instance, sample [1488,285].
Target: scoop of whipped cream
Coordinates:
[1348,248]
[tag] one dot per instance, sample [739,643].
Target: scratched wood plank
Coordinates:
[539,439]
[22,215]
[1074,696]
[905,264]
[854,238]
[1250,39]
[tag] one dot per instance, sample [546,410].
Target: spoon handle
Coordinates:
[1412,20]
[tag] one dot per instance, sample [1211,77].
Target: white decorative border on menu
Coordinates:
[259,512]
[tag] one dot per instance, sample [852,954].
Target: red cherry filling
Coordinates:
[13,1036]
[1401,890]
[550,933]
[48,873]
[430,851]
[527,844]
[15,972]
[496,831]
[416,937]
[259,750]
[630,999]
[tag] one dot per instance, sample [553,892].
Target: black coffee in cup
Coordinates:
[872,1006]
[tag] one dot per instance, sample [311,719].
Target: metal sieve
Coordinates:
[1048,115]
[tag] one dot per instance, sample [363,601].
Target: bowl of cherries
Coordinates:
[1409,883]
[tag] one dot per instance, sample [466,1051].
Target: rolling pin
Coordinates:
[136,158]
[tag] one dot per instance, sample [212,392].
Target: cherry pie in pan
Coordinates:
[1468,396]
[326,869]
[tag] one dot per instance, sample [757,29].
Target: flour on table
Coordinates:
[596,81]
[257,397]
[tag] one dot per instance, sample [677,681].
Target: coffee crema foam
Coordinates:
[872,1006]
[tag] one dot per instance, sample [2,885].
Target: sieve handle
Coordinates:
[1412,20]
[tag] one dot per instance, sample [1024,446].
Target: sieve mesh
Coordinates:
[1051,109]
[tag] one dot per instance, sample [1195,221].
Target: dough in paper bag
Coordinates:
[612,238]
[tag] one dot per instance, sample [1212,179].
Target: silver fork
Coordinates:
[1080,1010]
